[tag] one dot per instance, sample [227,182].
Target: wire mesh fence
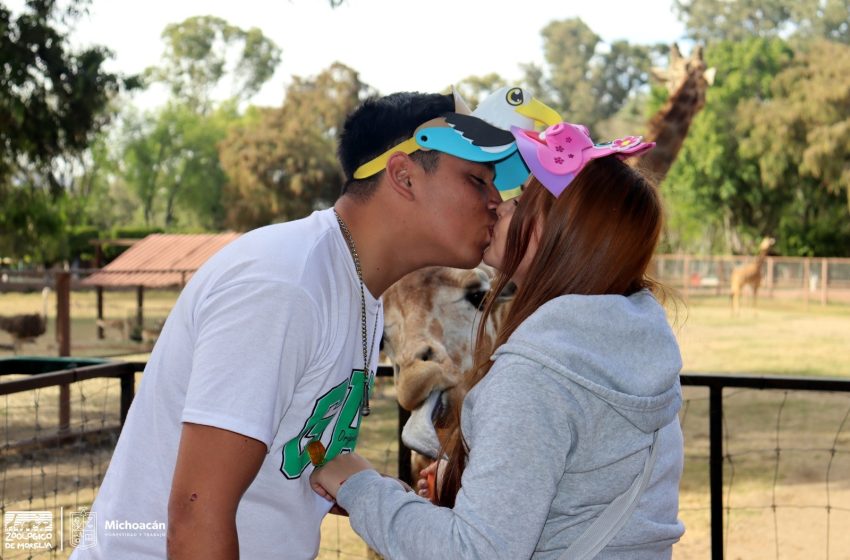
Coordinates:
[822,280]
[785,474]
[50,470]
[786,470]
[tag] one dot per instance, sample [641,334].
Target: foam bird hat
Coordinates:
[557,155]
[482,136]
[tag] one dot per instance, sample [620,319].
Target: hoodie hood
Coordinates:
[620,349]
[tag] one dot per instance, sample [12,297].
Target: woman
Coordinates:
[576,409]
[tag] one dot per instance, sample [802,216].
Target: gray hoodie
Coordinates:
[559,428]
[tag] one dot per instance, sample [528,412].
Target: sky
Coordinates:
[395,45]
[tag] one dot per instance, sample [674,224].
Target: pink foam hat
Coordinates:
[556,155]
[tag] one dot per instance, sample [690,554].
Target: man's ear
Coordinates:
[400,173]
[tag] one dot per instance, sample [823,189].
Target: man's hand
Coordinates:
[214,468]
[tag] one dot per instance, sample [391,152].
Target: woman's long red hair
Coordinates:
[596,238]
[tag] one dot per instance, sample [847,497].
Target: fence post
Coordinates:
[686,282]
[770,264]
[718,272]
[98,263]
[128,382]
[824,280]
[404,473]
[63,331]
[140,304]
[715,435]
[807,273]
[100,330]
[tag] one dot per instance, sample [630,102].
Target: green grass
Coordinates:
[780,338]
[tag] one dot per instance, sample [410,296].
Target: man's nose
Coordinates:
[493,198]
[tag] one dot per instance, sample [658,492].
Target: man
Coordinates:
[272,346]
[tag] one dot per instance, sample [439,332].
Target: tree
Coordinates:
[800,137]
[170,161]
[52,102]
[713,20]
[169,157]
[768,153]
[202,50]
[715,196]
[586,80]
[281,162]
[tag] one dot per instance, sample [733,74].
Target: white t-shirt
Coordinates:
[265,341]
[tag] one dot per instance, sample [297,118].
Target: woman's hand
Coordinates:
[327,479]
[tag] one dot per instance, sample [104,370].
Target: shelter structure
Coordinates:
[158,261]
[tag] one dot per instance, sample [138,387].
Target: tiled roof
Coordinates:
[160,260]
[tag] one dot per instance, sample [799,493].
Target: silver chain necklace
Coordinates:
[365,410]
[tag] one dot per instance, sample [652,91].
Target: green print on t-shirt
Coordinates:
[340,405]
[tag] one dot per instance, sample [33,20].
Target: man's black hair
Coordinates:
[379,124]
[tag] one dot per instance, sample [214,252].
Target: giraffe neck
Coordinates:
[762,256]
[669,127]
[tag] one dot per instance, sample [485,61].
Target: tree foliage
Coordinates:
[53,101]
[736,20]
[475,88]
[281,162]
[767,155]
[169,161]
[169,157]
[586,80]
[744,171]
[800,137]
[202,50]
[715,192]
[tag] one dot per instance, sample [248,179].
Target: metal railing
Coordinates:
[714,383]
[62,372]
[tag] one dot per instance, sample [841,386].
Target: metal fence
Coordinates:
[59,422]
[840,444]
[42,448]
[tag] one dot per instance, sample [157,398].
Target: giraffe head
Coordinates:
[430,323]
[766,244]
[680,71]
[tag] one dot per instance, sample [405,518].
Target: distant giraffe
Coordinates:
[749,273]
[687,80]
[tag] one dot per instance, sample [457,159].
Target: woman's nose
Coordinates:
[504,207]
